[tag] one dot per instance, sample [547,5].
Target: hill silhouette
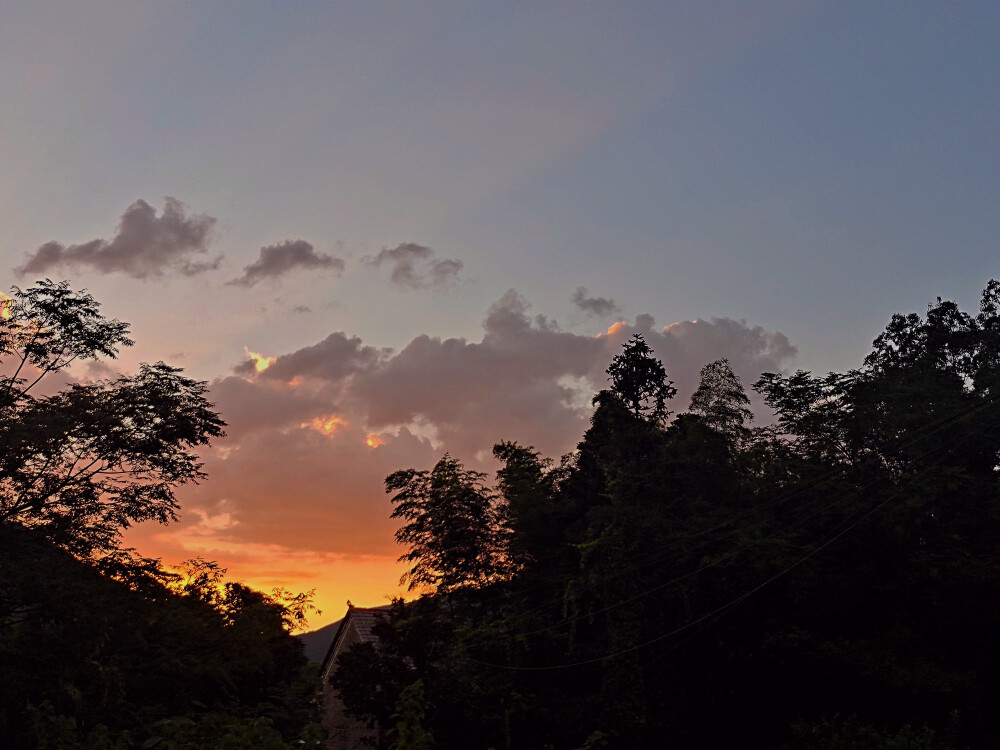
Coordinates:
[316,642]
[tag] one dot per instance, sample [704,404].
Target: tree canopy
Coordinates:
[83,463]
[100,647]
[639,380]
[826,581]
[451,526]
[721,401]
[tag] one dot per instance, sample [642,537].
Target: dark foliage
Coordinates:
[87,656]
[830,581]
[84,463]
[451,528]
[100,648]
[639,381]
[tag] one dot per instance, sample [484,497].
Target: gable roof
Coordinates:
[356,627]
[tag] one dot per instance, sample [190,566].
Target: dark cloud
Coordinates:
[593,305]
[415,267]
[528,381]
[144,245]
[277,260]
[251,406]
[332,359]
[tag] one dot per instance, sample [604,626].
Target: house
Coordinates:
[345,732]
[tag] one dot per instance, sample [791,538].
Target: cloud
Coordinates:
[313,434]
[333,359]
[287,482]
[414,266]
[277,260]
[144,245]
[686,346]
[593,305]
[507,386]
[525,380]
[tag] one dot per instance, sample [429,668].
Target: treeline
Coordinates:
[829,581]
[152,660]
[101,648]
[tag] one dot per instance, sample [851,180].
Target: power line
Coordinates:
[746,595]
[681,544]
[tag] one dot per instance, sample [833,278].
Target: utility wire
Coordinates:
[681,545]
[718,612]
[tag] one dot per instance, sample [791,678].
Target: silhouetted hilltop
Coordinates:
[316,642]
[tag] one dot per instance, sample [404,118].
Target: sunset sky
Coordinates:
[383,231]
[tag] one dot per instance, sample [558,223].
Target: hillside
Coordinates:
[316,642]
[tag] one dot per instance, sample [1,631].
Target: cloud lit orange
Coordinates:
[326,425]
[614,328]
[362,412]
[260,362]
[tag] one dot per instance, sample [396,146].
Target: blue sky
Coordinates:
[808,168]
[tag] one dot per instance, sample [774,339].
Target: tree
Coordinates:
[84,463]
[721,401]
[828,581]
[534,521]
[640,382]
[85,650]
[411,711]
[451,526]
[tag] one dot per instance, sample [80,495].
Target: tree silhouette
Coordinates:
[640,382]
[828,581]
[451,525]
[83,464]
[721,401]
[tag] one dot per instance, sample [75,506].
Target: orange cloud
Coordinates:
[305,503]
[326,425]
[260,362]
[614,328]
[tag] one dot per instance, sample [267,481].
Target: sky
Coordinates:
[386,231]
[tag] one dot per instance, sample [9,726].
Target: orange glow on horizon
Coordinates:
[374,441]
[260,362]
[5,303]
[368,580]
[326,425]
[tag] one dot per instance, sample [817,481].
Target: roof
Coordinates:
[364,619]
[356,627]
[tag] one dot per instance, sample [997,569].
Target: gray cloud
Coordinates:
[277,260]
[593,305]
[332,359]
[144,245]
[251,406]
[414,266]
[687,346]
[327,422]
[525,380]
[507,386]
[336,480]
